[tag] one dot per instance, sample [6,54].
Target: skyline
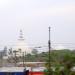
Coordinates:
[34,17]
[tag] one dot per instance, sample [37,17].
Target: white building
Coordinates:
[21,46]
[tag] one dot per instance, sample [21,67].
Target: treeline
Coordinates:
[55,55]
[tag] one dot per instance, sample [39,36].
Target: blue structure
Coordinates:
[12,73]
[15,73]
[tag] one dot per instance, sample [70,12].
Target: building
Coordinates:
[20,47]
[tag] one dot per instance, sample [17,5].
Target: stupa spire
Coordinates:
[21,35]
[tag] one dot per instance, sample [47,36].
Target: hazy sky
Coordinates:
[34,17]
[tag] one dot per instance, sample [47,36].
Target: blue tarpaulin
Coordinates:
[17,73]
[14,73]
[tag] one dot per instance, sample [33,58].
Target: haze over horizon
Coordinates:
[34,17]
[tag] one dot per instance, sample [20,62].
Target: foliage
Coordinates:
[62,62]
[34,52]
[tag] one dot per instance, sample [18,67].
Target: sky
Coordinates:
[34,17]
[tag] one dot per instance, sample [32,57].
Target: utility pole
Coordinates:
[49,45]
[15,53]
[1,59]
[23,59]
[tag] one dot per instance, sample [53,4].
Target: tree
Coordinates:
[10,52]
[69,63]
[62,61]
[34,52]
[5,51]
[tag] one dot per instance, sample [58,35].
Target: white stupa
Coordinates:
[21,46]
